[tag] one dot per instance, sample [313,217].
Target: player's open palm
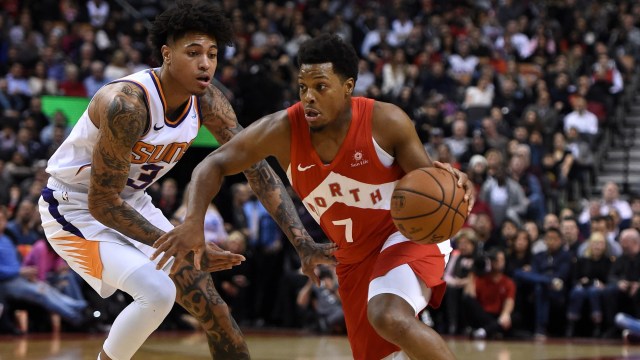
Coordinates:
[179,242]
[217,259]
[313,254]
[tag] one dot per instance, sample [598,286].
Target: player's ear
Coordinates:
[348,87]
[166,54]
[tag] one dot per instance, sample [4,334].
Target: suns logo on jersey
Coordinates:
[148,153]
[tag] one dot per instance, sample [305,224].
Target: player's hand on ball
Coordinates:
[179,242]
[463,181]
[313,254]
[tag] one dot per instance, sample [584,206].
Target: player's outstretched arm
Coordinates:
[245,151]
[118,110]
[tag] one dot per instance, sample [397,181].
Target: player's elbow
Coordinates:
[98,205]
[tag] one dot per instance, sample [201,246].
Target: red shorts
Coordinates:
[425,260]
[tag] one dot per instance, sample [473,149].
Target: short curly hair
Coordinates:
[330,48]
[186,16]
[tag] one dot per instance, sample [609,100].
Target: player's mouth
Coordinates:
[311,115]
[203,80]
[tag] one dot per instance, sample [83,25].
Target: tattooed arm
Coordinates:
[120,113]
[245,151]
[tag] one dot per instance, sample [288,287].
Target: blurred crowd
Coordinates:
[518,94]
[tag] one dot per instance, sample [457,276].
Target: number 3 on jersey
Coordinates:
[145,178]
[348,228]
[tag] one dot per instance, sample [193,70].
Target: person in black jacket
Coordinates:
[622,286]
[589,278]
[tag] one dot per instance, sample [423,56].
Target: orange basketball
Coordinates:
[427,206]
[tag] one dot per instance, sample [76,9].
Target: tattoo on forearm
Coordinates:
[125,122]
[263,180]
[273,194]
[197,294]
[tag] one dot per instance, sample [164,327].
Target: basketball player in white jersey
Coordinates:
[95,211]
[343,156]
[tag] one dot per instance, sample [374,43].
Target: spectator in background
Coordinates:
[479,97]
[169,200]
[40,84]
[490,299]
[96,80]
[72,84]
[519,172]
[325,302]
[590,275]
[235,284]
[459,141]
[59,120]
[436,139]
[117,66]
[571,233]
[463,64]
[52,269]
[611,199]
[458,275]
[24,227]
[395,74]
[214,229]
[622,285]
[366,78]
[98,12]
[550,271]
[583,120]
[21,283]
[504,195]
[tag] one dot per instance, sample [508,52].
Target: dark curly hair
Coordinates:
[186,16]
[330,48]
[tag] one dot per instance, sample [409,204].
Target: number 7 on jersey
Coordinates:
[348,228]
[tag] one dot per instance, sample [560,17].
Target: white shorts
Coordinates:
[76,235]
[403,282]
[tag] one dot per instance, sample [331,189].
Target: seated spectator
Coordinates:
[590,275]
[489,299]
[582,168]
[622,285]
[214,228]
[436,139]
[504,195]
[478,99]
[600,224]
[20,283]
[611,199]
[23,228]
[459,141]
[52,269]
[457,274]
[583,120]
[72,84]
[325,302]
[571,233]
[234,284]
[550,271]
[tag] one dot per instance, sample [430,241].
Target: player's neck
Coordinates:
[174,95]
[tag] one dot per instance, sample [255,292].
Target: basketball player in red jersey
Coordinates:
[343,156]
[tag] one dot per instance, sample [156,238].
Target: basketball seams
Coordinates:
[416,184]
[441,203]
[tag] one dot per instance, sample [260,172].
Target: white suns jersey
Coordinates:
[163,143]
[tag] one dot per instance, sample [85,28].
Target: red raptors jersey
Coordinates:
[350,196]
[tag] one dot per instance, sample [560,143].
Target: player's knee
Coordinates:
[387,320]
[163,297]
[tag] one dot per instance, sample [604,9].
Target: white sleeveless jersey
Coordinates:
[163,143]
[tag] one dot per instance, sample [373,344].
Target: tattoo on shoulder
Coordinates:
[219,115]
